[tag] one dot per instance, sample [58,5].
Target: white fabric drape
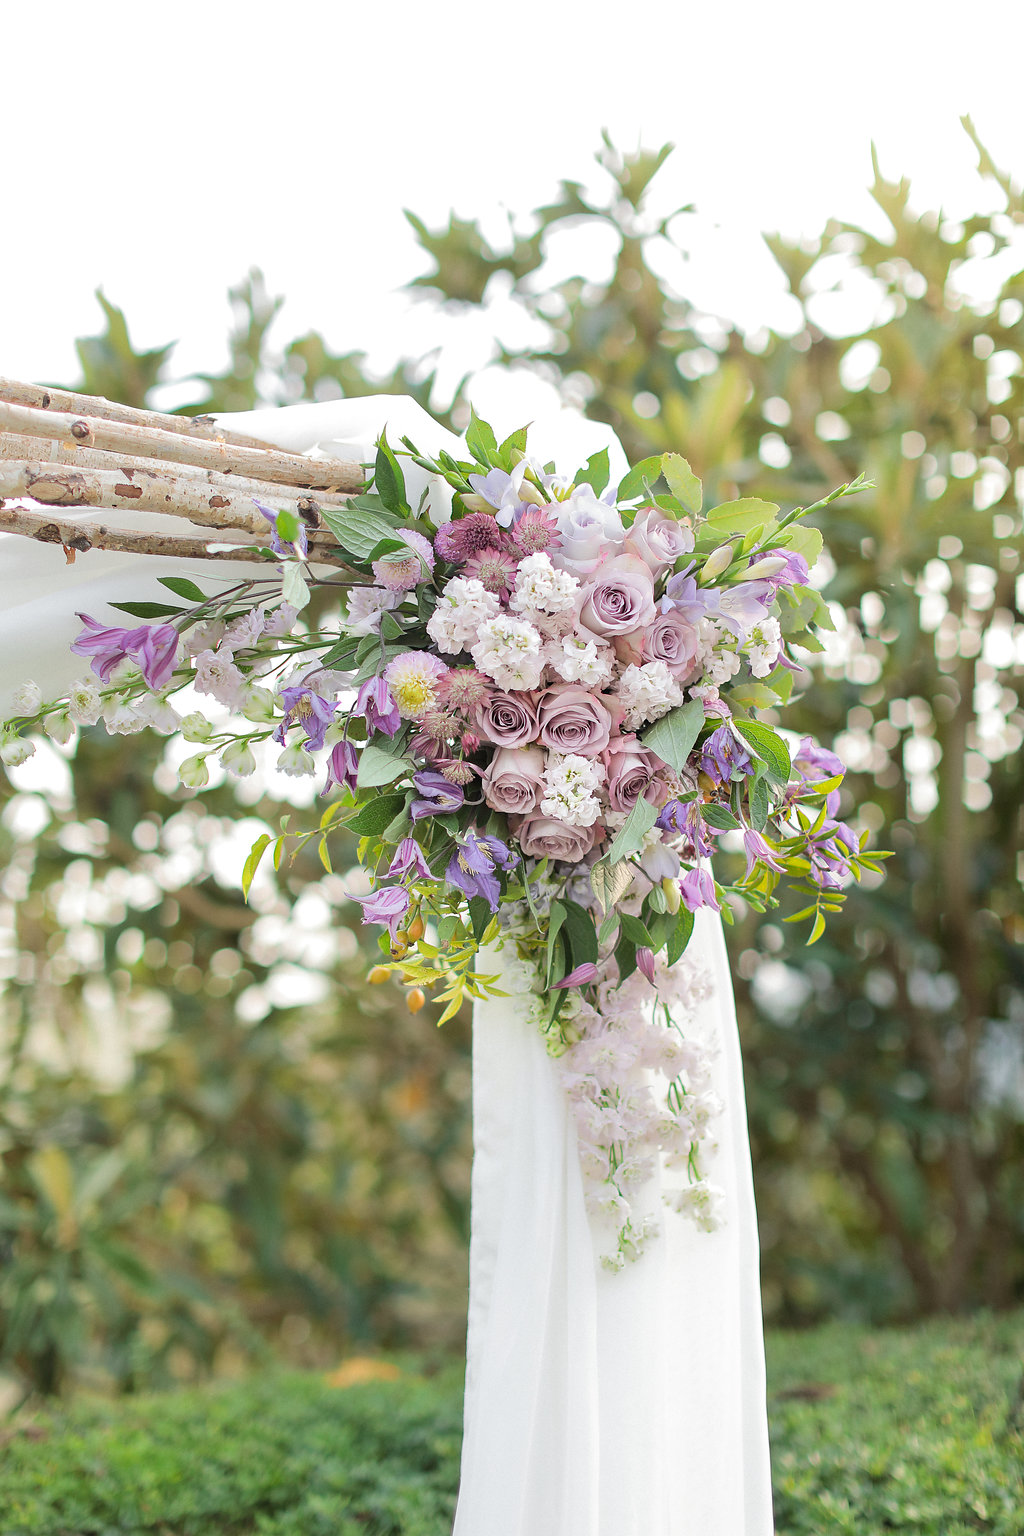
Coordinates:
[597,1404]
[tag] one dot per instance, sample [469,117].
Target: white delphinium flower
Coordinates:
[541,590]
[719,660]
[647,692]
[15,750]
[196,727]
[237,758]
[365,607]
[463,607]
[194,773]
[282,620]
[509,652]
[244,632]
[570,783]
[59,727]
[296,761]
[84,701]
[257,704]
[159,715]
[217,675]
[124,717]
[28,699]
[205,637]
[703,1202]
[581,661]
[763,645]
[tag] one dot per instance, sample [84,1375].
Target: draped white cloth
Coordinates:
[597,1404]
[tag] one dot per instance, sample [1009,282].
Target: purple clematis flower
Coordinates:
[756,847]
[582,976]
[724,754]
[283,546]
[697,889]
[437,796]
[687,819]
[645,962]
[472,869]
[376,706]
[387,905]
[342,766]
[310,710]
[153,647]
[409,860]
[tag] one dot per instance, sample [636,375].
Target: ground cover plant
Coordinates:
[918,1430]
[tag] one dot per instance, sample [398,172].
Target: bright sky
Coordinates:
[160,151]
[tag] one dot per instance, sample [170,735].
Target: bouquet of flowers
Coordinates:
[536,711]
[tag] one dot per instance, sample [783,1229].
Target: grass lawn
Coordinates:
[918,1430]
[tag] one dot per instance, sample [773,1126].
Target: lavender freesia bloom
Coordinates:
[388,905]
[310,710]
[342,767]
[501,491]
[409,860]
[280,546]
[472,870]
[153,648]
[376,706]
[437,796]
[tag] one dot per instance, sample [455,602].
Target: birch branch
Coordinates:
[147,490]
[78,537]
[65,400]
[155,443]
[18,446]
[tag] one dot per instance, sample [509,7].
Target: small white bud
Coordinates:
[296,761]
[237,757]
[258,704]
[194,773]
[196,727]
[770,565]
[15,750]
[59,727]
[718,561]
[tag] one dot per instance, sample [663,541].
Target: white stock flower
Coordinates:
[719,663]
[124,717]
[763,645]
[570,783]
[704,1203]
[84,701]
[580,661]
[541,590]
[159,715]
[509,652]
[244,632]
[646,693]
[464,606]
[27,699]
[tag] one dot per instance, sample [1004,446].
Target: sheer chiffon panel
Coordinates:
[598,1403]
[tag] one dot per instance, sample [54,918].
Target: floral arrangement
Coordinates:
[537,714]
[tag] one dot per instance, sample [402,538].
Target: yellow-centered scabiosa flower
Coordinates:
[413,678]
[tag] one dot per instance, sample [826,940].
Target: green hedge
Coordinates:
[873,1432]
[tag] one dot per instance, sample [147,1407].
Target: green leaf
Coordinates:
[635,930]
[610,881]
[672,737]
[293,585]
[818,929]
[252,863]
[377,767]
[556,917]
[759,804]
[580,932]
[770,748]
[358,530]
[625,957]
[631,835]
[596,473]
[739,516]
[754,695]
[371,819]
[717,816]
[646,472]
[388,480]
[481,441]
[680,936]
[479,916]
[682,482]
[512,449]
[182,587]
[146,610]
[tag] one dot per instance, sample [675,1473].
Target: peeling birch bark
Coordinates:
[78,537]
[41,397]
[29,449]
[155,443]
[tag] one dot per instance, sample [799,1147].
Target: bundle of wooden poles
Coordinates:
[63,450]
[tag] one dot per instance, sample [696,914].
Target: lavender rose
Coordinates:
[513,779]
[587,527]
[543,837]
[675,641]
[508,719]
[572,719]
[619,599]
[658,540]
[631,771]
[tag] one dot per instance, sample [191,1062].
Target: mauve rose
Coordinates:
[588,528]
[631,773]
[543,837]
[508,719]
[513,779]
[571,719]
[675,641]
[619,599]
[658,540]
